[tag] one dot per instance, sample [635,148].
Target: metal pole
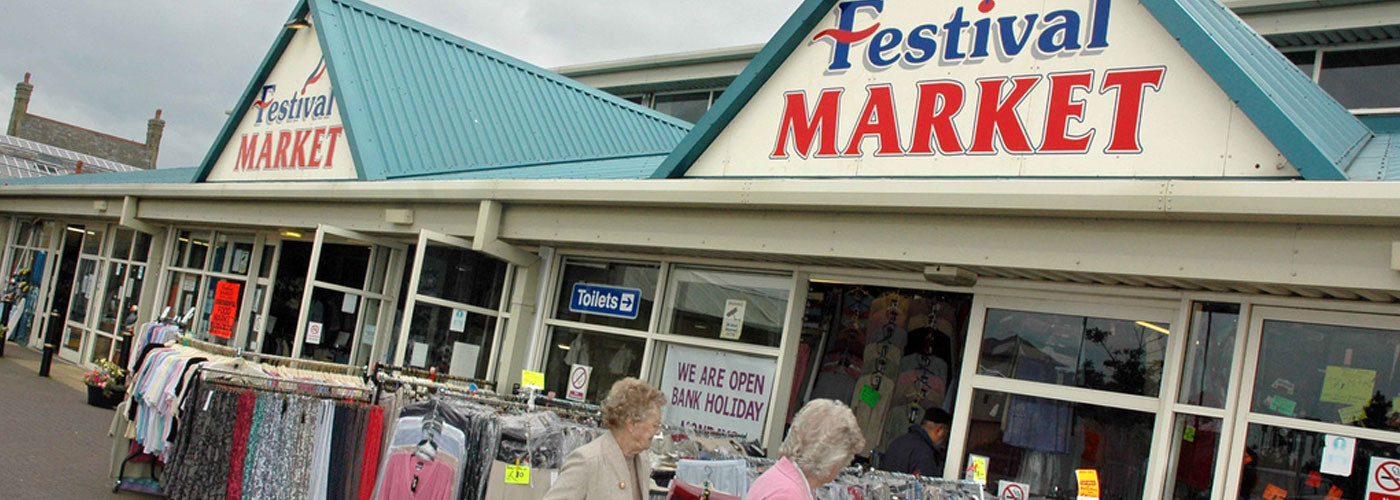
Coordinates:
[51,338]
[5,320]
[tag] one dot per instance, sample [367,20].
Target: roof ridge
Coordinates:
[510,61]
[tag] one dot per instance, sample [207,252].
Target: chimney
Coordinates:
[22,93]
[154,130]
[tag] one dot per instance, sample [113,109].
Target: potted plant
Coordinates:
[106,384]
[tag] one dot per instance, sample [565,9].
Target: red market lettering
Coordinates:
[998,123]
[288,149]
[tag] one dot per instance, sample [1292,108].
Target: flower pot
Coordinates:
[104,399]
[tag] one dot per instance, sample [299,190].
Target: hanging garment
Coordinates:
[407,477]
[727,476]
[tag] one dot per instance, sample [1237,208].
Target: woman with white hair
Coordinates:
[617,465]
[824,438]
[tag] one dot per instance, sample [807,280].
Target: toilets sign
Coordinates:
[603,300]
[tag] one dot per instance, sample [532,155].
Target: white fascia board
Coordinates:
[1339,202]
[1323,18]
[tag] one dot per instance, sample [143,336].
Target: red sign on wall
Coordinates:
[225,311]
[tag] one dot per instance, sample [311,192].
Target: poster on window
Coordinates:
[710,389]
[225,311]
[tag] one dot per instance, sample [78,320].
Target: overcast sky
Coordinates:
[108,64]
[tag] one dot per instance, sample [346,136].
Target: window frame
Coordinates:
[1319,54]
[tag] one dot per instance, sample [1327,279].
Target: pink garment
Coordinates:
[783,481]
[407,477]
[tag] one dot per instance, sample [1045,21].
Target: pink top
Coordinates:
[433,479]
[784,481]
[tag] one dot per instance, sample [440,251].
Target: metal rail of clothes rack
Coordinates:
[432,375]
[318,388]
[271,359]
[969,486]
[385,381]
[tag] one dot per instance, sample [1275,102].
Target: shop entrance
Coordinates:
[890,353]
[351,291]
[59,300]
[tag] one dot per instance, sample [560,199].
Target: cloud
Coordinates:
[109,65]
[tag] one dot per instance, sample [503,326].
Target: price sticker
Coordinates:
[517,474]
[530,379]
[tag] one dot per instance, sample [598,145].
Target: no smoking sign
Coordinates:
[1383,483]
[578,383]
[1013,491]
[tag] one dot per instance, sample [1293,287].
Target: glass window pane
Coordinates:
[203,327]
[131,297]
[183,293]
[1096,353]
[73,338]
[92,243]
[1288,459]
[369,332]
[181,251]
[265,269]
[1210,351]
[458,346]
[643,277]
[343,265]
[1303,60]
[1328,373]
[461,275]
[84,287]
[232,253]
[689,106]
[613,357]
[337,326]
[1196,440]
[702,298]
[1362,78]
[198,249]
[101,348]
[110,315]
[141,247]
[1041,442]
[121,245]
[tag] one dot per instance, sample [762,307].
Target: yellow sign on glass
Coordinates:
[1351,414]
[1348,386]
[1088,484]
[977,468]
[529,379]
[517,474]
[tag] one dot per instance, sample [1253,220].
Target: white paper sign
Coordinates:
[464,358]
[313,333]
[1383,481]
[1337,455]
[733,319]
[711,389]
[349,303]
[459,321]
[420,355]
[578,382]
[187,284]
[1008,490]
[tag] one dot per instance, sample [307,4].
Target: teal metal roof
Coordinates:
[1317,135]
[417,101]
[181,175]
[1378,161]
[638,167]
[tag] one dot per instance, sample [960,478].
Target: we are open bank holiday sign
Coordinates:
[292,130]
[1054,88]
[715,390]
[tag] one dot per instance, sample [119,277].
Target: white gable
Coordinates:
[293,130]
[1047,89]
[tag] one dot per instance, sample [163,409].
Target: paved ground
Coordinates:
[53,446]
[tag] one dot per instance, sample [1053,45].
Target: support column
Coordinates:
[516,338]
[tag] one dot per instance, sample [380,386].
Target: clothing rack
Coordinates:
[433,375]
[866,472]
[278,384]
[539,399]
[704,433]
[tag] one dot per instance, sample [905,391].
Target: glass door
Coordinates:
[454,307]
[83,293]
[349,297]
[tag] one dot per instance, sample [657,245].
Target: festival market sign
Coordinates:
[292,130]
[1060,88]
[714,390]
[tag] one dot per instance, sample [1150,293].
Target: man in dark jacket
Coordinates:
[922,450]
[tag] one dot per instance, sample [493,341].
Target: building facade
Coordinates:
[1126,237]
[31,127]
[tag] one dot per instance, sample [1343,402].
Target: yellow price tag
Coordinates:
[517,474]
[532,379]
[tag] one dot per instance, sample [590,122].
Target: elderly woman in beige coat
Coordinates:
[617,465]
